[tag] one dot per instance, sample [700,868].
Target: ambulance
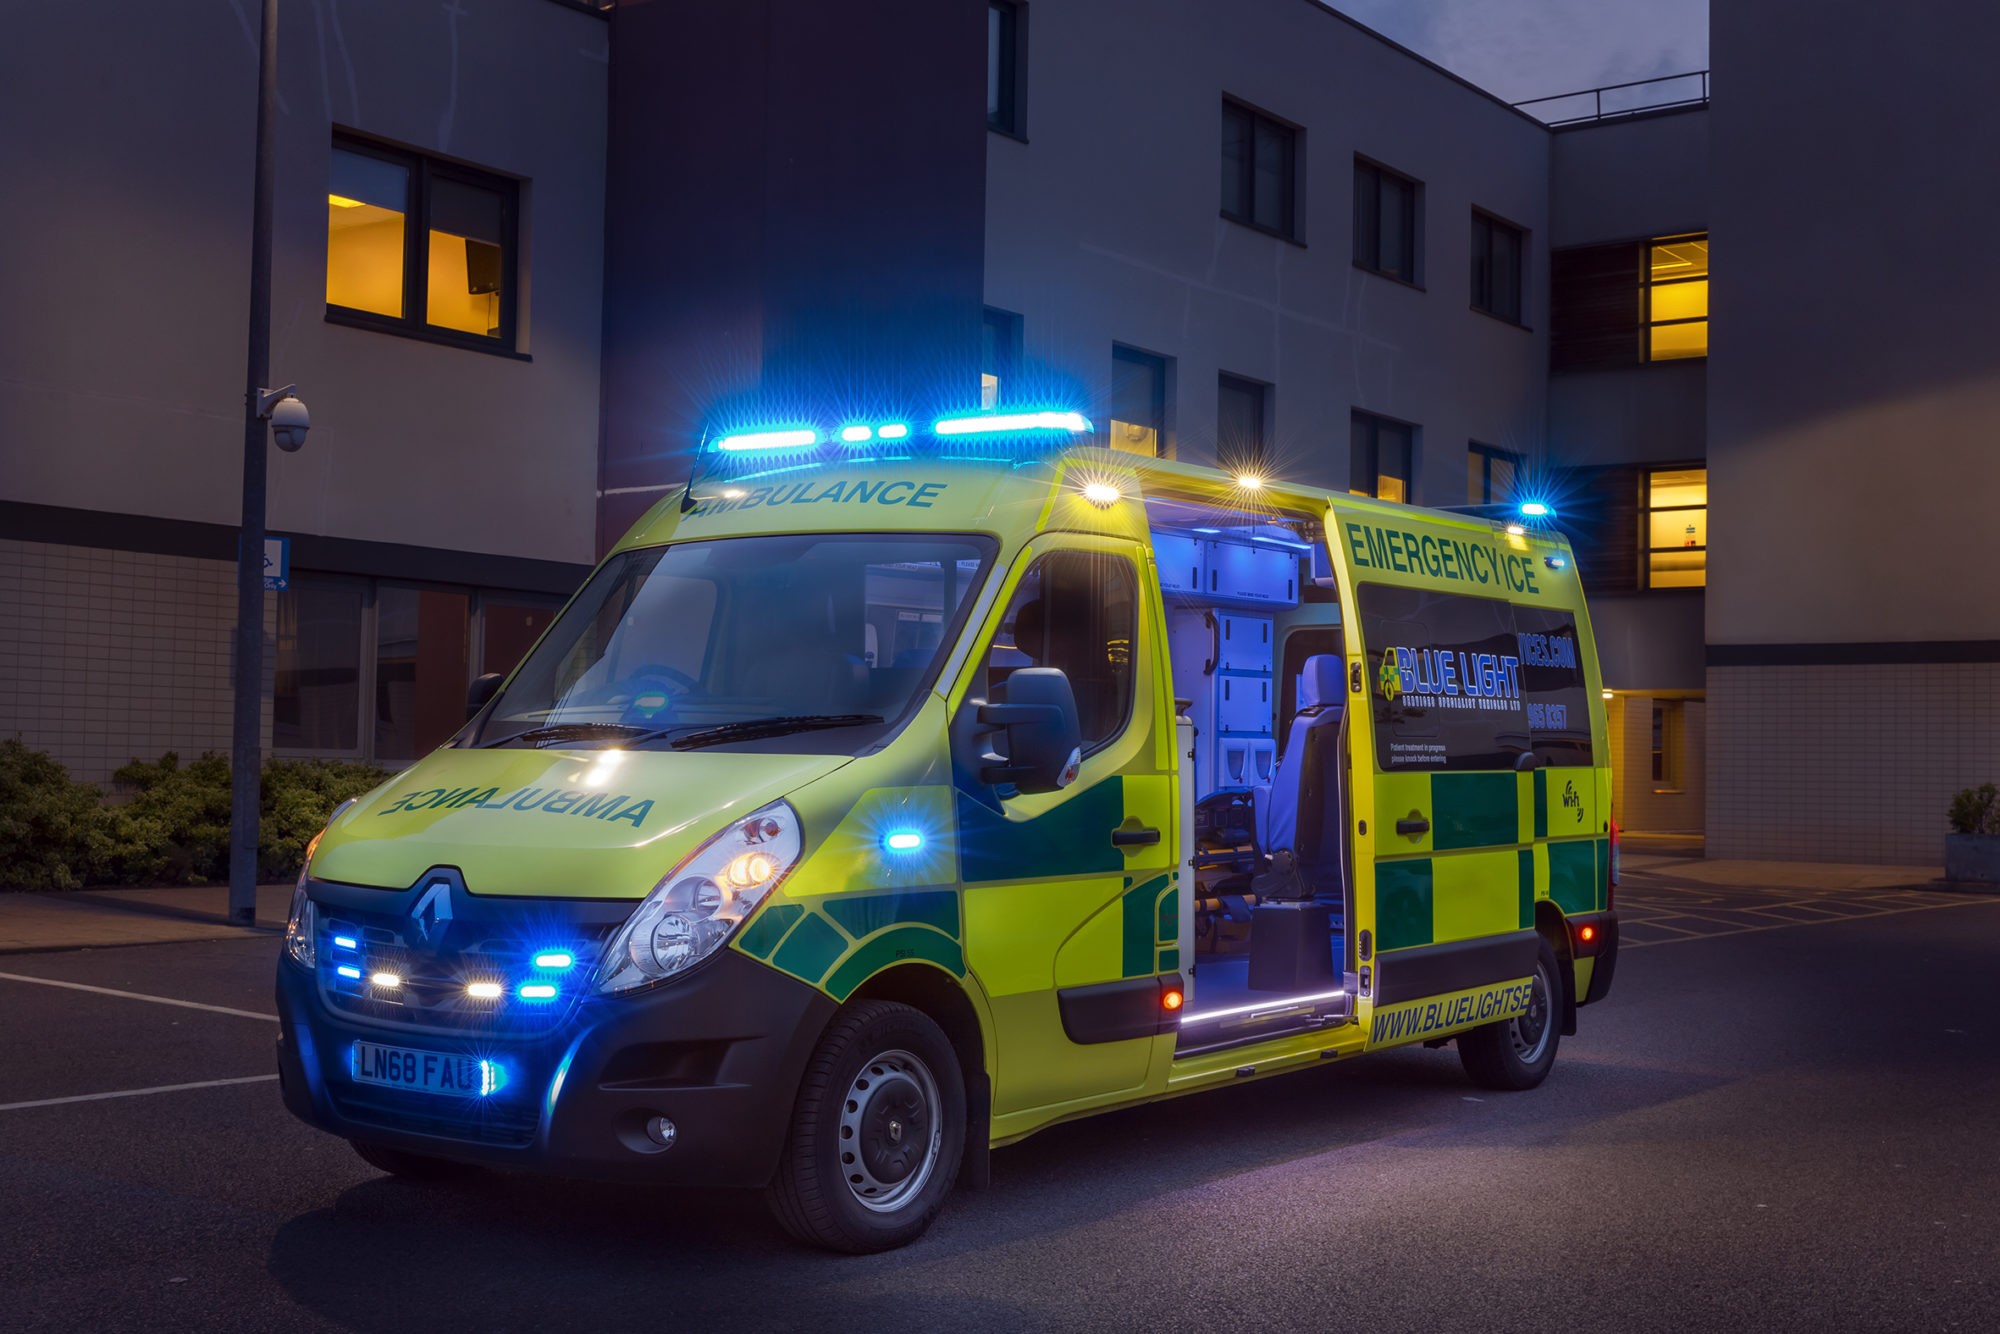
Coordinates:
[892,792]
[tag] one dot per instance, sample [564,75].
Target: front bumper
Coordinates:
[720,1053]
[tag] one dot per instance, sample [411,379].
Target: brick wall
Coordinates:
[1846,763]
[112,655]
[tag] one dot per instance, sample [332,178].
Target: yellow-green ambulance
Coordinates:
[894,792]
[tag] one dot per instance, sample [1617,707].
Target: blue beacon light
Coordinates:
[1073,423]
[555,960]
[762,440]
[1536,509]
[903,840]
[351,974]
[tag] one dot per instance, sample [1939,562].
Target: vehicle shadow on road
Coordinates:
[508,1251]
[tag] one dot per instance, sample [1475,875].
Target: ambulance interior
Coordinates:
[1262,688]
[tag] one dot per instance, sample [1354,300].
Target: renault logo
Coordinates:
[432,911]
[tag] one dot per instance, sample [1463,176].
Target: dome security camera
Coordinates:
[289,423]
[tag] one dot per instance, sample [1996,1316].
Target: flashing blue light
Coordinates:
[492,1078]
[1205,530]
[1535,509]
[855,435]
[893,431]
[555,959]
[538,991]
[1075,423]
[351,974]
[903,840]
[345,942]
[745,444]
[1554,562]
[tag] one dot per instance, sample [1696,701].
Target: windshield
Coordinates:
[744,638]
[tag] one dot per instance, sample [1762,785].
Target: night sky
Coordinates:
[1519,49]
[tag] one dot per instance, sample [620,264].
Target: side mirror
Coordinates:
[482,689]
[1044,738]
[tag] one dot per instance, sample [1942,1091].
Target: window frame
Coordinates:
[1487,454]
[1254,118]
[1495,227]
[1162,404]
[1133,668]
[1669,717]
[1010,118]
[1367,168]
[1646,512]
[1376,421]
[423,171]
[1007,326]
[1646,285]
[1251,387]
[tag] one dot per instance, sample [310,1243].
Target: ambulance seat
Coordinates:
[1299,811]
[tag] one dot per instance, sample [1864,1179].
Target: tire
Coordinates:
[877,1133]
[1515,1054]
[411,1166]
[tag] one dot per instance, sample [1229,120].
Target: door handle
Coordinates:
[1142,837]
[1413,826]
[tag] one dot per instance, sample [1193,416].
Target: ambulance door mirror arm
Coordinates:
[482,689]
[1044,737]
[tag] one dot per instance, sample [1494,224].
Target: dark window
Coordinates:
[999,354]
[1602,514]
[1385,221]
[1380,454]
[1497,250]
[1005,28]
[1240,410]
[420,247]
[316,702]
[1464,682]
[1259,159]
[422,665]
[1076,610]
[1138,402]
[1490,474]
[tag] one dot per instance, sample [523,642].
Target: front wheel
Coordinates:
[877,1134]
[1515,1054]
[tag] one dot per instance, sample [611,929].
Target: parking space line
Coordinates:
[136,1093]
[138,996]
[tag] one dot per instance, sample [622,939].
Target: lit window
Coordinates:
[1677,297]
[1004,31]
[999,353]
[1676,528]
[1240,422]
[1138,402]
[1490,474]
[1259,165]
[455,282]
[1385,221]
[1380,450]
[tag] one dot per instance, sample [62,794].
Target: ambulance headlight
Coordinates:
[302,927]
[697,906]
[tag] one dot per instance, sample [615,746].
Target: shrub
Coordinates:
[175,830]
[298,796]
[1975,810]
[53,829]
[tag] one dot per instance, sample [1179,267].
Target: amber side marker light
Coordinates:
[1172,999]
[1587,933]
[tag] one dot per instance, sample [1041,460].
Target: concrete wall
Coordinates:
[1620,180]
[1104,227]
[1640,803]
[1852,392]
[126,275]
[796,200]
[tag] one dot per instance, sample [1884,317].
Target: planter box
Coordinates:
[1972,858]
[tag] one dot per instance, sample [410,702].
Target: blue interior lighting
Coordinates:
[555,959]
[754,441]
[903,840]
[1007,423]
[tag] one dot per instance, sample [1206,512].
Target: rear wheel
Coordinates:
[877,1133]
[1514,1054]
[411,1166]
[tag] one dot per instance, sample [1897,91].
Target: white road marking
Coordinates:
[136,1093]
[138,996]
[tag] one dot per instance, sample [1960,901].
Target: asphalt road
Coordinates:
[1768,1127]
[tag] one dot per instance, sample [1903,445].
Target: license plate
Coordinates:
[423,1071]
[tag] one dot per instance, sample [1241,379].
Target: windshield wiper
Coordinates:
[754,729]
[560,732]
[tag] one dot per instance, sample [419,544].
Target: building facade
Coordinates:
[531,252]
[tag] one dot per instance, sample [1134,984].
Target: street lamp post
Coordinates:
[260,407]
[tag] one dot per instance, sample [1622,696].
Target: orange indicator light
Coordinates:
[1588,933]
[1171,998]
